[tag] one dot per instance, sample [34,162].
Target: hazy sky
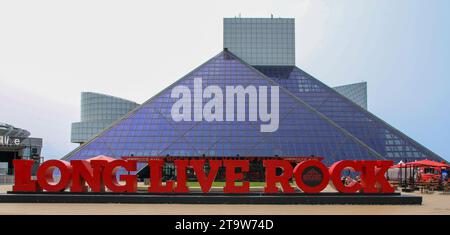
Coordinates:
[50,51]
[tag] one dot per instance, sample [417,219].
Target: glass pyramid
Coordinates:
[380,136]
[304,130]
[149,130]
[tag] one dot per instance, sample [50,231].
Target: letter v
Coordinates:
[204,180]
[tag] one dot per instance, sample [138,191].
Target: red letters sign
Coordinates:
[310,176]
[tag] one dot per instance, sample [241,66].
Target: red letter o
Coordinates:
[45,175]
[311,176]
[335,172]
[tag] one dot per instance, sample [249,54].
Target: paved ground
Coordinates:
[433,204]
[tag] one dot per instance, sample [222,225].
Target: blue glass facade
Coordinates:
[314,120]
[380,136]
[356,92]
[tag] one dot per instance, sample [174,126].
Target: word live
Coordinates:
[310,176]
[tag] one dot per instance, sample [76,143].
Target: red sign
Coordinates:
[310,176]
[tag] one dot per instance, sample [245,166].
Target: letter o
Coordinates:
[45,175]
[336,171]
[314,173]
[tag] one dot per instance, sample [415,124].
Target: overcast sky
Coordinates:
[50,51]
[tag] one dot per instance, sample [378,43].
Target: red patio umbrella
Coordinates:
[101,157]
[427,162]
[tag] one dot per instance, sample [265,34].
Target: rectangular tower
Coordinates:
[261,41]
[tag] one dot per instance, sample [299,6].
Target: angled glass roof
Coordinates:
[149,130]
[373,131]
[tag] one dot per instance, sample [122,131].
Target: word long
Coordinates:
[310,176]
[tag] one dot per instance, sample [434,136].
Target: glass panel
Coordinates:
[381,137]
[150,130]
